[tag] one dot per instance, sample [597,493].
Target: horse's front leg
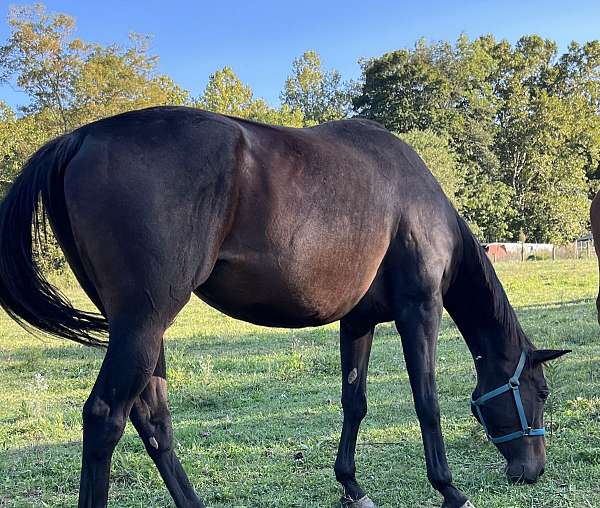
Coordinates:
[418,324]
[355,348]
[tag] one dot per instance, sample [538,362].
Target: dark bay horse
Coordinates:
[595,221]
[279,227]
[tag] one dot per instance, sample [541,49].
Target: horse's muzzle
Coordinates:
[524,473]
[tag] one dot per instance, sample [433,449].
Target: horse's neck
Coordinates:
[480,308]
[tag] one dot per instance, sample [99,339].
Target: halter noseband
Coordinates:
[513,384]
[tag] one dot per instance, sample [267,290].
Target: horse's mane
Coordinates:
[490,293]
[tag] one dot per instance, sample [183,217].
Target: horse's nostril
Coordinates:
[514,475]
[530,479]
[521,474]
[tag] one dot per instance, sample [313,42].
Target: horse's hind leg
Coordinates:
[152,419]
[130,360]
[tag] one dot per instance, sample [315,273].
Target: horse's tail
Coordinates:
[25,294]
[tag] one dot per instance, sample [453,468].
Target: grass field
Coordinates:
[246,399]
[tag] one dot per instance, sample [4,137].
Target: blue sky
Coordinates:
[259,39]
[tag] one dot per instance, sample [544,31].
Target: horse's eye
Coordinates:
[544,394]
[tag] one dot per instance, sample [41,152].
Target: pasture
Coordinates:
[257,415]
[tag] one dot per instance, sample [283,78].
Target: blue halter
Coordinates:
[513,384]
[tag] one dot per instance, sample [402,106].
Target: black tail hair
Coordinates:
[25,294]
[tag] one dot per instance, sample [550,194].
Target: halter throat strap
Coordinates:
[513,384]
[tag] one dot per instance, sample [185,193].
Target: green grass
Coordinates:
[245,399]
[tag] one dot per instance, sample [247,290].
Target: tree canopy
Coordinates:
[511,131]
[522,119]
[319,94]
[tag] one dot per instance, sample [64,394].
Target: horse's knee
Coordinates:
[428,412]
[102,426]
[354,406]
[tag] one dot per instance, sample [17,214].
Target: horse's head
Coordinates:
[509,402]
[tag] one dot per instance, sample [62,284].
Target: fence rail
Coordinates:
[498,252]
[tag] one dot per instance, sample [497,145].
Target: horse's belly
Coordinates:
[266,294]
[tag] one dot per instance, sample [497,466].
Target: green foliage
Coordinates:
[318,94]
[438,155]
[113,79]
[523,121]
[225,93]
[44,59]
[19,136]
[405,90]
[486,206]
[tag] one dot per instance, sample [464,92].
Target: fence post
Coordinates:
[553,252]
[522,251]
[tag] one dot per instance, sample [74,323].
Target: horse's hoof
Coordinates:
[363,502]
[468,504]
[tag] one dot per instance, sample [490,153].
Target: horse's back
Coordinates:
[316,214]
[273,225]
[312,224]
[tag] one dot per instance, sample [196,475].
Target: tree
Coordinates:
[44,58]
[317,93]
[486,204]
[522,121]
[439,157]
[225,93]
[405,89]
[19,137]
[115,79]
[73,82]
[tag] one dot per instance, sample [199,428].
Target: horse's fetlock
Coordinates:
[344,472]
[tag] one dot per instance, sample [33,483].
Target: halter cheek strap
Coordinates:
[513,384]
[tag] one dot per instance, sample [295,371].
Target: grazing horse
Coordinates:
[595,220]
[275,226]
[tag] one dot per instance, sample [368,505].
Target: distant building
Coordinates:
[516,250]
[496,251]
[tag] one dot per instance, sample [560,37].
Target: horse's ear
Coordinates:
[545,355]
